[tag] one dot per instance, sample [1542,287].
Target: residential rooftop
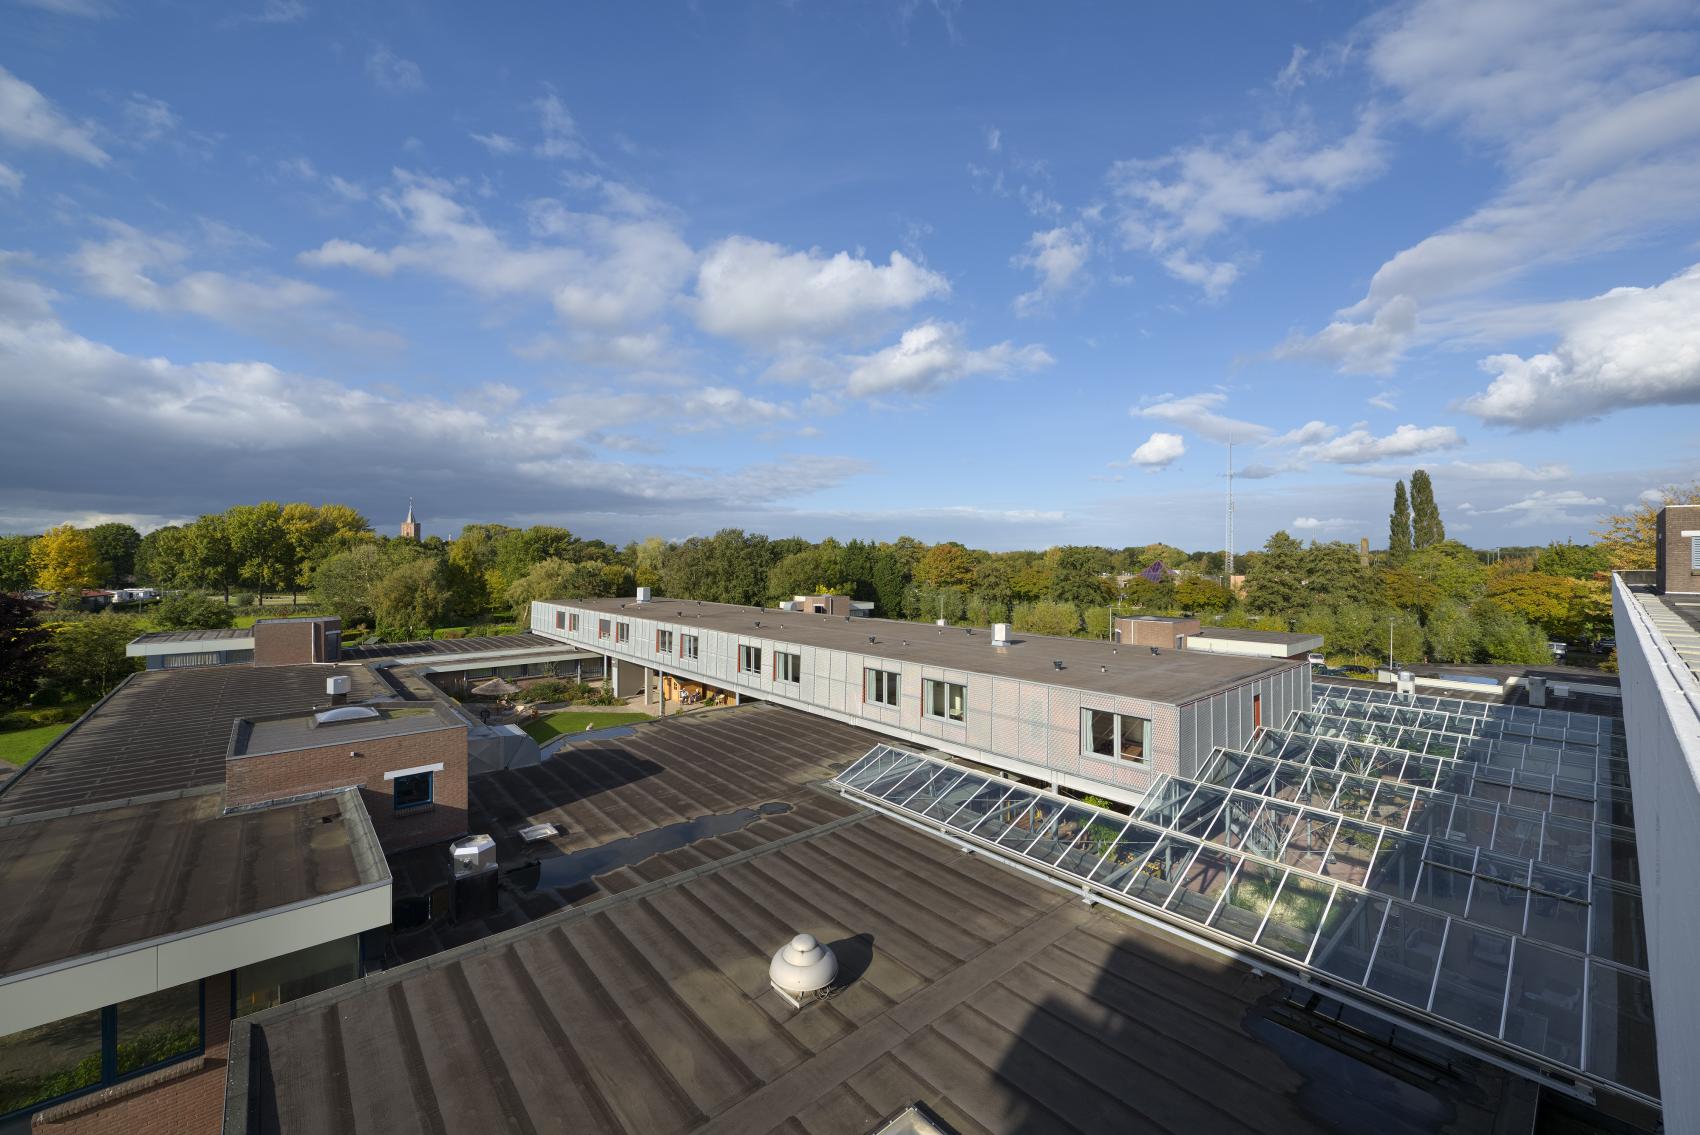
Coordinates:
[1171,676]
[1000,1004]
[165,731]
[128,872]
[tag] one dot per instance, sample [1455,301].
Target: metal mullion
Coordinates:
[1510,972]
[1439,964]
[1587,980]
[1037,836]
[1327,907]
[1227,885]
[910,795]
[1375,949]
[970,800]
[1162,834]
[1273,899]
[994,809]
[1087,873]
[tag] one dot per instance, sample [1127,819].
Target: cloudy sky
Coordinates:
[1006,274]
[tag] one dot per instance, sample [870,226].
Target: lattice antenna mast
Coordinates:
[1228,558]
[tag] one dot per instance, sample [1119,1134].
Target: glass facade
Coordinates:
[276,980]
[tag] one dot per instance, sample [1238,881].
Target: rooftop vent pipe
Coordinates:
[1154,650]
[1057,662]
[802,970]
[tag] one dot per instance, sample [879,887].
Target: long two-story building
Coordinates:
[1097,717]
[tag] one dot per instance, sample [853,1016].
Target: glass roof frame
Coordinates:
[1237,893]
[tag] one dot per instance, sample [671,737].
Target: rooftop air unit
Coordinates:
[802,970]
[643,594]
[1000,634]
[337,687]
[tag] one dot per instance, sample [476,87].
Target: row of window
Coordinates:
[1117,736]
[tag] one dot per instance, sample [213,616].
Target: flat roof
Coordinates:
[1246,634]
[612,790]
[480,644]
[211,635]
[165,730]
[126,872]
[1001,1004]
[282,733]
[1173,676]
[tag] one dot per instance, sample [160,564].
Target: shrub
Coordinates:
[47,695]
[190,611]
[18,719]
[548,690]
[58,715]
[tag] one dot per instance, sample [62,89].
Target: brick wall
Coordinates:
[283,642]
[276,776]
[1675,551]
[184,1099]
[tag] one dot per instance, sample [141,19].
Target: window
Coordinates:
[1694,553]
[943,700]
[560,620]
[602,628]
[1105,734]
[749,659]
[99,1048]
[788,667]
[1256,710]
[622,632]
[664,642]
[572,622]
[276,980]
[413,791]
[688,646]
[880,686]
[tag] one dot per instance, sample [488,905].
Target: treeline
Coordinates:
[1440,599]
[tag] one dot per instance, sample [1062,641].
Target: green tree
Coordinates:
[1198,594]
[411,599]
[1451,633]
[1578,561]
[1508,640]
[162,558]
[1334,575]
[259,543]
[64,560]
[1078,575]
[945,565]
[88,655]
[1275,583]
[190,610]
[1399,526]
[994,581]
[1445,572]
[813,571]
[24,648]
[1426,527]
[116,545]
[1047,617]
[1562,607]
[15,573]
[209,556]
[984,610]
[346,583]
[890,580]
[1629,538]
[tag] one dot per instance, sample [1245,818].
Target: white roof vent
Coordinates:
[336,684]
[343,713]
[1000,634]
[643,594]
[802,970]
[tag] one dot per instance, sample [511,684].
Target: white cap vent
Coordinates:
[1000,634]
[643,594]
[802,969]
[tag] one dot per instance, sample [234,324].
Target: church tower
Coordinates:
[410,526]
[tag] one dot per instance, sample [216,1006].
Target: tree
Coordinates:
[994,581]
[984,610]
[1196,593]
[116,545]
[411,599]
[1578,561]
[1443,572]
[260,546]
[190,610]
[1451,633]
[1507,639]
[346,583]
[15,573]
[1399,526]
[812,571]
[945,565]
[64,559]
[1426,527]
[1275,583]
[1078,576]
[209,556]
[1046,617]
[1630,538]
[1564,608]
[24,648]
[88,656]
[162,557]
[1334,574]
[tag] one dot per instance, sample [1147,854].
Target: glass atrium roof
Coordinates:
[1484,917]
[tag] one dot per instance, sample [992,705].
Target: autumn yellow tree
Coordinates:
[1630,538]
[64,559]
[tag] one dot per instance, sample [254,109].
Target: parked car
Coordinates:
[1558,648]
[1317,660]
[1351,670]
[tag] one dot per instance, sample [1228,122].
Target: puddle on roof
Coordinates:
[572,874]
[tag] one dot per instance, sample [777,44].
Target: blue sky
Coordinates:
[1005,274]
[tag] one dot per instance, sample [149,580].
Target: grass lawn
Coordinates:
[19,745]
[577,721]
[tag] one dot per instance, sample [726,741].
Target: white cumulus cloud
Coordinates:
[1359,445]
[1158,451]
[27,118]
[932,354]
[1057,257]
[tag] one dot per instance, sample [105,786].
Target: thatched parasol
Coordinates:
[495,688]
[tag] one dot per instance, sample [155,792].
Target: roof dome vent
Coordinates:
[802,970]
